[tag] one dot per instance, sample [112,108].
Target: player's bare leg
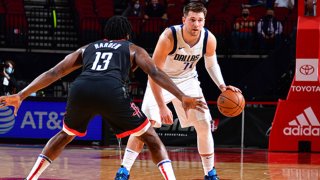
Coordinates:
[50,152]
[134,147]
[158,152]
[155,145]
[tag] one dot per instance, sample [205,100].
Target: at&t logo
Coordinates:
[6,120]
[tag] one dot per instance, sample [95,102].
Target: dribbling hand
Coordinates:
[232,88]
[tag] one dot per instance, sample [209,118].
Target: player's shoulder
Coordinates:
[136,49]
[168,32]
[80,50]
[211,36]
[211,43]
[134,46]
[166,38]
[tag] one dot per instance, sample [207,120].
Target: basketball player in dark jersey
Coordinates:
[101,89]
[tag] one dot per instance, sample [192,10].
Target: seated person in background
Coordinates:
[204,2]
[310,7]
[243,30]
[134,9]
[8,82]
[269,30]
[254,3]
[155,9]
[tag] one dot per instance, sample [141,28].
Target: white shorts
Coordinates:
[190,87]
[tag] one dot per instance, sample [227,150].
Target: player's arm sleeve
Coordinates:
[213,68]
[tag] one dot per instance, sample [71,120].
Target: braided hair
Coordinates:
[117,27]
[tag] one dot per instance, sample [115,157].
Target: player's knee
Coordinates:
[153,143]
[63,136]
[202,126]
[151,139]
[153,122]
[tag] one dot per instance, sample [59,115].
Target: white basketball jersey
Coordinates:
[181,62]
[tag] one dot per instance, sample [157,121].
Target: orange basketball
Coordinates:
[231,103]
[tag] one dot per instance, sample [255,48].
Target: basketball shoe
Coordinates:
[122,174]
[212,175]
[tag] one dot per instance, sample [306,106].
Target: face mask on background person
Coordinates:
[245,15]
[9,70]
[136,5]
[269,16]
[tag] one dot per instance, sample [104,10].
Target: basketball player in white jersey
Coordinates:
[177,52]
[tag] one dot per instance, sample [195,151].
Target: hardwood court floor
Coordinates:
[89,163]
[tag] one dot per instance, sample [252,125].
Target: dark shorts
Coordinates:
[105,97]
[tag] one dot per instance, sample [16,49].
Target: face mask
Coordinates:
[245,15]
[9,70]
[136,5]
[269,16]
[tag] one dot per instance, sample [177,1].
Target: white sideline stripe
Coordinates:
[302,120]
[312,117]
[293,123]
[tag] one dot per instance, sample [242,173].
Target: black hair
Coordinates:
[7,62]
[117,27]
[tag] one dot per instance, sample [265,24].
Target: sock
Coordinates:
[128,159]
[166,169]
[41,164]
[207,163]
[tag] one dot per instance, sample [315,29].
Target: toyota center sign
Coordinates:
[296,122]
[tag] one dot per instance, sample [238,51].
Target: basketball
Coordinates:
[230,103]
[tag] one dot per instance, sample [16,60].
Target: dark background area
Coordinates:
[264,79]
[29,37]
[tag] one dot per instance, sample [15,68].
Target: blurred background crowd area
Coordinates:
[62,24]
[39,33]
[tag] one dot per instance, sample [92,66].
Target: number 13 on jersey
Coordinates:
[101,61]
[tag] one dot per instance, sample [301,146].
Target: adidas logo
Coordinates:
[306,124]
